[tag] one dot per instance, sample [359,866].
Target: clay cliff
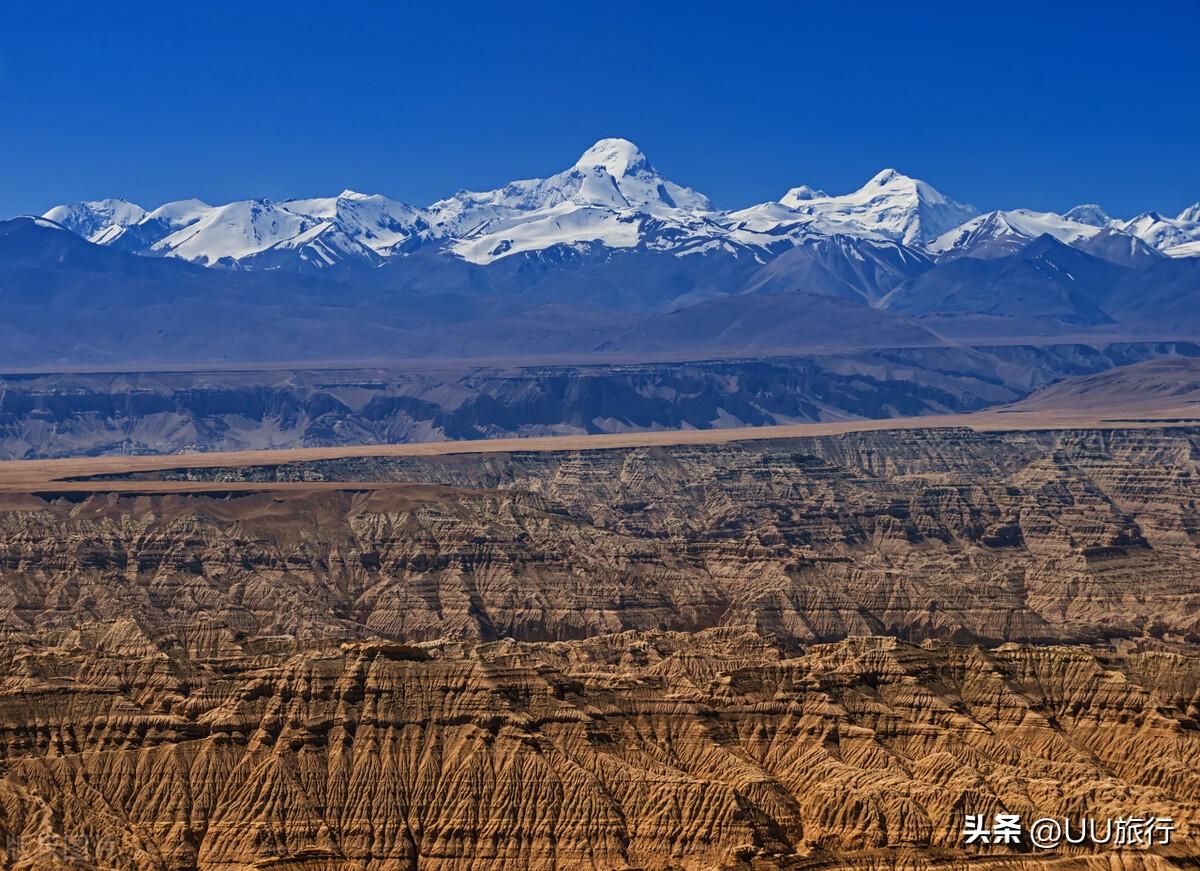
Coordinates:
[953,534]
[636,750]
[809,652]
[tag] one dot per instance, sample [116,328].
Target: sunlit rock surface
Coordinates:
[817,652]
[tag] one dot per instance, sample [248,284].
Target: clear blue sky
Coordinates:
[1042,104]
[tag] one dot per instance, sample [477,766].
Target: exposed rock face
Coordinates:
[816,652]
[633,751]
[1078,536]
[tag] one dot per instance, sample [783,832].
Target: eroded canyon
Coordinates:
[787,653]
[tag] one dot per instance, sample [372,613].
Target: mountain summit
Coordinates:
[638,181]
[610,196]
[96,220]
[617,156]
[1090,214]
[898,206]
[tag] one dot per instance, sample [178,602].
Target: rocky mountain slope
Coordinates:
[68,303]
[1163,389]
[797,653]
[166,412]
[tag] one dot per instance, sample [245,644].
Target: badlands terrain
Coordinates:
[810,646]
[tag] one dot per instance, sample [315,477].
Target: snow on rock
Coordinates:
[639,183]
[1090,214]
[564,224]
[998,233]
[613,173]
[904,209]
[382,224]
[611,196]
[95,220]
[1187,249]
[325,230]
[180,213]
[803,194]
[234,231]
[774,226]
[1190,215]
[1165,234]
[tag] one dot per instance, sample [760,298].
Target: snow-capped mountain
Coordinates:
[321,232]
[98,220]
[611,196]
[775,227]
[613,175]
[904,209]
[1175,237]
[383,225]
[231,232]
[1090,214]
[611,199]
[314,233]
[1000,233]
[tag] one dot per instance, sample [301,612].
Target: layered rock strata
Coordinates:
[801,653]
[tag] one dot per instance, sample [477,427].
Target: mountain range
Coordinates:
[605,257]
[611,196]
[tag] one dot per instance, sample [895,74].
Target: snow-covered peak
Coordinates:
[230,232]
[1165,234]
[324,229]
[885,177]
[998,233]
[890,183]
[94,219]
[610,192]
[618,157]
[612,174]
[1191,214]
[1090,214]
[618,166]
[774,219]
[382,224]
[901,208]
[802,194]
[180,211]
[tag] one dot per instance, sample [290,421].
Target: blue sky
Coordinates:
[1043,105]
